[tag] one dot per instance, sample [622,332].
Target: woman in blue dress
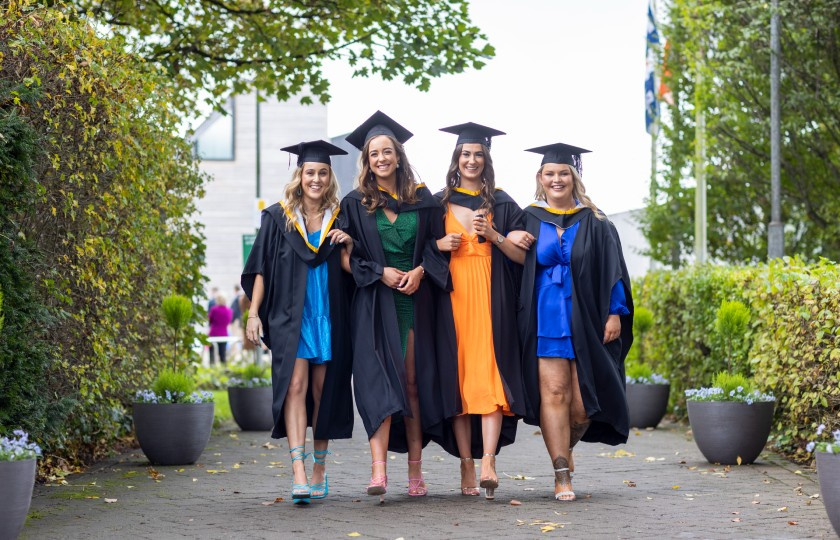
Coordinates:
[299,299]
[577,316]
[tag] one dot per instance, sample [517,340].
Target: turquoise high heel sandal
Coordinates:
[321,489]
[301,493]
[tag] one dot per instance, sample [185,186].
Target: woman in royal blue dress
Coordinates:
[577,319]
[299,299]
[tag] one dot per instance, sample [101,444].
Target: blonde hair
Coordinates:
[372,197]
[220,300]
[294,195]
[578,191]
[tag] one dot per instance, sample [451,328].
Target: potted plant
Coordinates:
[730,420]
[250,396]
[647,392]
[18,457]
[827,450]
[172,420]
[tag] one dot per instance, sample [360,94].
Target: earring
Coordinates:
[299,192]
[398,164]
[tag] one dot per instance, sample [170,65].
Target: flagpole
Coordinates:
[776,229]
[699,166]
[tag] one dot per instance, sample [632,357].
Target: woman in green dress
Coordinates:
[404,368]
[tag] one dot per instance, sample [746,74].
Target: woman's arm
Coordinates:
[254,327]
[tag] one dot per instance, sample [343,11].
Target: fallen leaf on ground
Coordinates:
[216,471]
[234,436]
[109,501]
[736,513]
[92,497]
[630,483]
[814,496]
[736,520]
[267,503]
[279,499]
[738,460]
[782,509]
[547,528]
[154,474]
[675,487]
[354,534]
[514,502]
[236,465]
[793,523]
[270,446]
[518,476]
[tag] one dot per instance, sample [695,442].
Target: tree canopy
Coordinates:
[279,46]
[729,43]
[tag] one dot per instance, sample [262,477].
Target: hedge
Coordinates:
[97,194]
[792,346]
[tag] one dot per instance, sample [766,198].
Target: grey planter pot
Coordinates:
[173,433]
[727,430]
[17,479]
[828,473]
[251,407]
[647,404]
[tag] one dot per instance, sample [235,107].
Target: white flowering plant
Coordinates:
[168,396]
[727,387]
[18,447]
[828,441]
[643,374]
[251,376]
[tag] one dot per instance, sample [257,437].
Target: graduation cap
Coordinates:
[378,124]
[472,133]
[561,153]
[314,152]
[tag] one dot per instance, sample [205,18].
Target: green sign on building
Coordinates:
[247,243]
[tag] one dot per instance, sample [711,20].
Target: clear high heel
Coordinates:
[563,477]
[416,486]
[301,493]
[321,489]
[379,484]
[489,483]
[470,491]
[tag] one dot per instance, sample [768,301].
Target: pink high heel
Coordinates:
[415,489]
[379,484]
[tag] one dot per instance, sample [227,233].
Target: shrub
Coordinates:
[177,311]
[792,340]
[731,323]
[96,200]
[252,376]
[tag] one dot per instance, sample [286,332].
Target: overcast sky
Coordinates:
[564,71]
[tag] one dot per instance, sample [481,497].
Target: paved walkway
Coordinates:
[658,485]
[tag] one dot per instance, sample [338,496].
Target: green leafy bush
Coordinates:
[251,376]
[729,382]
[731,323]
[96,198]
[791,345]
[639,371]
[176,382]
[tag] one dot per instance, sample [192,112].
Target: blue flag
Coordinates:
[651,102]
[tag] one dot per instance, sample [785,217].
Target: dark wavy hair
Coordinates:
[372,197]
[488,178]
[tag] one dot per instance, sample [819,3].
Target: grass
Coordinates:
[222,410]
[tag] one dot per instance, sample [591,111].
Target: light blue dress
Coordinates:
[315,336]
[554,292]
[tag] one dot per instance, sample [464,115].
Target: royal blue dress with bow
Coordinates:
[554,292]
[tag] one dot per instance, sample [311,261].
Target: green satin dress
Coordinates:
[398,240]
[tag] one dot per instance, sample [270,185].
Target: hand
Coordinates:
[522,239]
[410,281]
[253,331]
[483,227]
[337,236]
[450,242]
[612,329]
[392,277]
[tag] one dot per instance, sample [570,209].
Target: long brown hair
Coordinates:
[372,197]
[294,195]
[578,192]
[488,178]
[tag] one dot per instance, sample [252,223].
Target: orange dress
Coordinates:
[481,385]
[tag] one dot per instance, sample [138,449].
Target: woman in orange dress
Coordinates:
[484,237]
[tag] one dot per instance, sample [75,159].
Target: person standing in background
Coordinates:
[219,318]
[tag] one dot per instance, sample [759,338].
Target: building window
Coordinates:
[214,139]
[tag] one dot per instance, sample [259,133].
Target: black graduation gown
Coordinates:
[379,377]
[597,264]
[283,258]
[505,276]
